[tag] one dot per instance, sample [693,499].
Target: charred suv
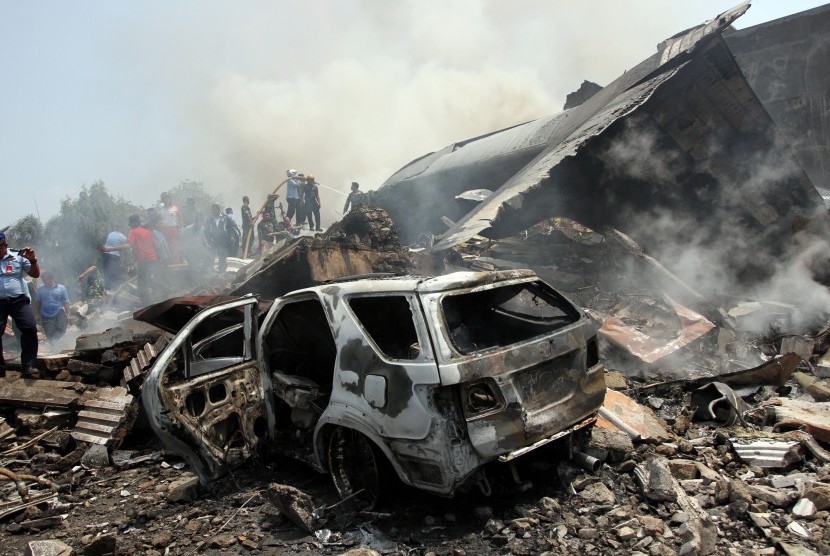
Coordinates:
[430,377]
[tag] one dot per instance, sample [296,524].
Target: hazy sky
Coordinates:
[143,95]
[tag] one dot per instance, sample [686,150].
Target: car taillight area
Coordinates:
[505,315]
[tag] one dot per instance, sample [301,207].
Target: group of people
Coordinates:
[168,235]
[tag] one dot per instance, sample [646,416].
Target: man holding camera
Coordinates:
[15,303]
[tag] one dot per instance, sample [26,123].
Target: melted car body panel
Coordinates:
[443,374]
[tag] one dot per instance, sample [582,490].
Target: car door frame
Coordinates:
[185,438]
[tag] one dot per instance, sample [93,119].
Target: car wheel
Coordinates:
[356,466]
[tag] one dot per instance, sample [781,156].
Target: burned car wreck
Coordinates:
[433,377]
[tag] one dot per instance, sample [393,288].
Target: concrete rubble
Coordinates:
[712,439]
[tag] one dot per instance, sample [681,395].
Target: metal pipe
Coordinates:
[612,418]
[586,462]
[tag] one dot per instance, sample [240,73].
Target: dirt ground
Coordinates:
[555,508]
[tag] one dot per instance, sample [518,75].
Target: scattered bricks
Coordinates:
[626,533]
[183,489]
[774,496]
[223,542]
[248,544]
[683,469]
[653,525]
[819,495]
[598,493]
[587,533]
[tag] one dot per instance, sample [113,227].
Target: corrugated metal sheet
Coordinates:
[767,453]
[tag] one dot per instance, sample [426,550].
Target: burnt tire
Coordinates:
[357,467]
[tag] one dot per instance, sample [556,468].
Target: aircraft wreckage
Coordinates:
[676,152]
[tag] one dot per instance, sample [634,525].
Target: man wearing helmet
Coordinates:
[292,196]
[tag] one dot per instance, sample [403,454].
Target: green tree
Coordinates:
[26,231]
[73,236]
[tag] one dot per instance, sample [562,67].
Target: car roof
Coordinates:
[423,284]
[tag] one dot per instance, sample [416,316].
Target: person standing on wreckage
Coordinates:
[15,303]
[292,195]
[312,203]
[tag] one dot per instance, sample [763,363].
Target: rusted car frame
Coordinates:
[430,377]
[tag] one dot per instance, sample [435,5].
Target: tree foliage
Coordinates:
[72,237]
[26,231]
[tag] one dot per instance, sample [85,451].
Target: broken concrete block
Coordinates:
[96,457]
[804,508]
[608,444]
[683,469]
[655,479]
[774,496]
[294,504]
[615,380]
[598,493]
[818,494]
[102,545]
[626,533]
[48,548]
[791,549]
[183,489]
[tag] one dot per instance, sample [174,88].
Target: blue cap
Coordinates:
[2,238]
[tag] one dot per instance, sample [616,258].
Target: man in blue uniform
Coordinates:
[15,303]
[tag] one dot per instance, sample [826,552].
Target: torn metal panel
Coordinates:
[767,453]
[718,402]
[649,349]
[785,62]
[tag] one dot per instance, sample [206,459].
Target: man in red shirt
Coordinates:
[144,246]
